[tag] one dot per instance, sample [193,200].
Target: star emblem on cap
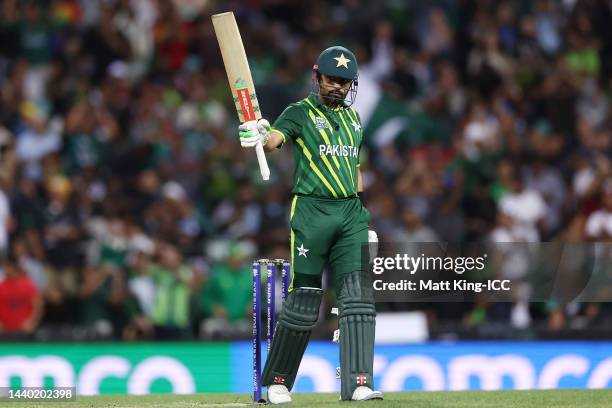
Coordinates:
[342,61]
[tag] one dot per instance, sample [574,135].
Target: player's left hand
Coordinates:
[372,244]
[263,126]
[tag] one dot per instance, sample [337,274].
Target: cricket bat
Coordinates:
[239,77]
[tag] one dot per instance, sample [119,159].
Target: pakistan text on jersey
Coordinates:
[338,150]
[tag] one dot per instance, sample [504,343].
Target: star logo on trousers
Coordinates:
[302,251]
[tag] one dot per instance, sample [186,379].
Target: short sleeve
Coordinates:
[290,122]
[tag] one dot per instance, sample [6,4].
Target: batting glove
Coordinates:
[253,132]
[263,126]
[372,244]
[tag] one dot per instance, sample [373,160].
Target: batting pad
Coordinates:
[357,327]
[298,317]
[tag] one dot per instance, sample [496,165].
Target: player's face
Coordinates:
[334,87]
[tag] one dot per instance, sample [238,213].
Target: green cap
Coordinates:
[337,61]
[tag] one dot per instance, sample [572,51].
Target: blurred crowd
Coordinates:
[129,211]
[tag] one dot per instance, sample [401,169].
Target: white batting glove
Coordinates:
[372,244]
[336,338]
[253,132]
[264,129]
[249,134]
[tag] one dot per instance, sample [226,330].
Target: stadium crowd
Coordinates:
[129,211]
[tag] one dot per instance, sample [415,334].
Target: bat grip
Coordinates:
[263,163]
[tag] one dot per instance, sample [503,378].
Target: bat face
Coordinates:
[236,66]
[239,77]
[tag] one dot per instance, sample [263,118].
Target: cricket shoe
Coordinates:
[363,393]
[278,394]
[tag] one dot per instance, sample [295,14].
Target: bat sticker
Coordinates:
[244,97]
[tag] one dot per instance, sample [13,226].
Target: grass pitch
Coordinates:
[456,399]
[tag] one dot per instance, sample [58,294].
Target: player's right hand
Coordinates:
[249,134]
[253,132]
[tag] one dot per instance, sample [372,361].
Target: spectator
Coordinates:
[437,38]
[547,181]
[101,294]
[227,297]
[141,283]
[29,264]
[173,288]
[526,207]
[8,159]
[141,296]
[414,230]
[38,139]
[599,224]
[21,304]
[90,127]
[62,232]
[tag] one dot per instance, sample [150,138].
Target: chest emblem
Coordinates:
[321,123]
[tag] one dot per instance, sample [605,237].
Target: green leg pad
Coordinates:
[357,327]
[297,319]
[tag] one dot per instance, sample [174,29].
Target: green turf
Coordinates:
[457,399]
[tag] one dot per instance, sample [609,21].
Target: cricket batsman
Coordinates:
[328,224]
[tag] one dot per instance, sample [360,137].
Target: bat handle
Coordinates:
[263,163]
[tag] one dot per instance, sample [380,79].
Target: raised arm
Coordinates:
[254,132]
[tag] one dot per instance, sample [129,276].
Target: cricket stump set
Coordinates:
[272,267]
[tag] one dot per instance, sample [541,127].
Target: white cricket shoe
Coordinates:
[278,394]
[365,393]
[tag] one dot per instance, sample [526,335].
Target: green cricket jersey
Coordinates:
[326,152]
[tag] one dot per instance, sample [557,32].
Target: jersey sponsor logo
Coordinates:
[321,123]
[338,150]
